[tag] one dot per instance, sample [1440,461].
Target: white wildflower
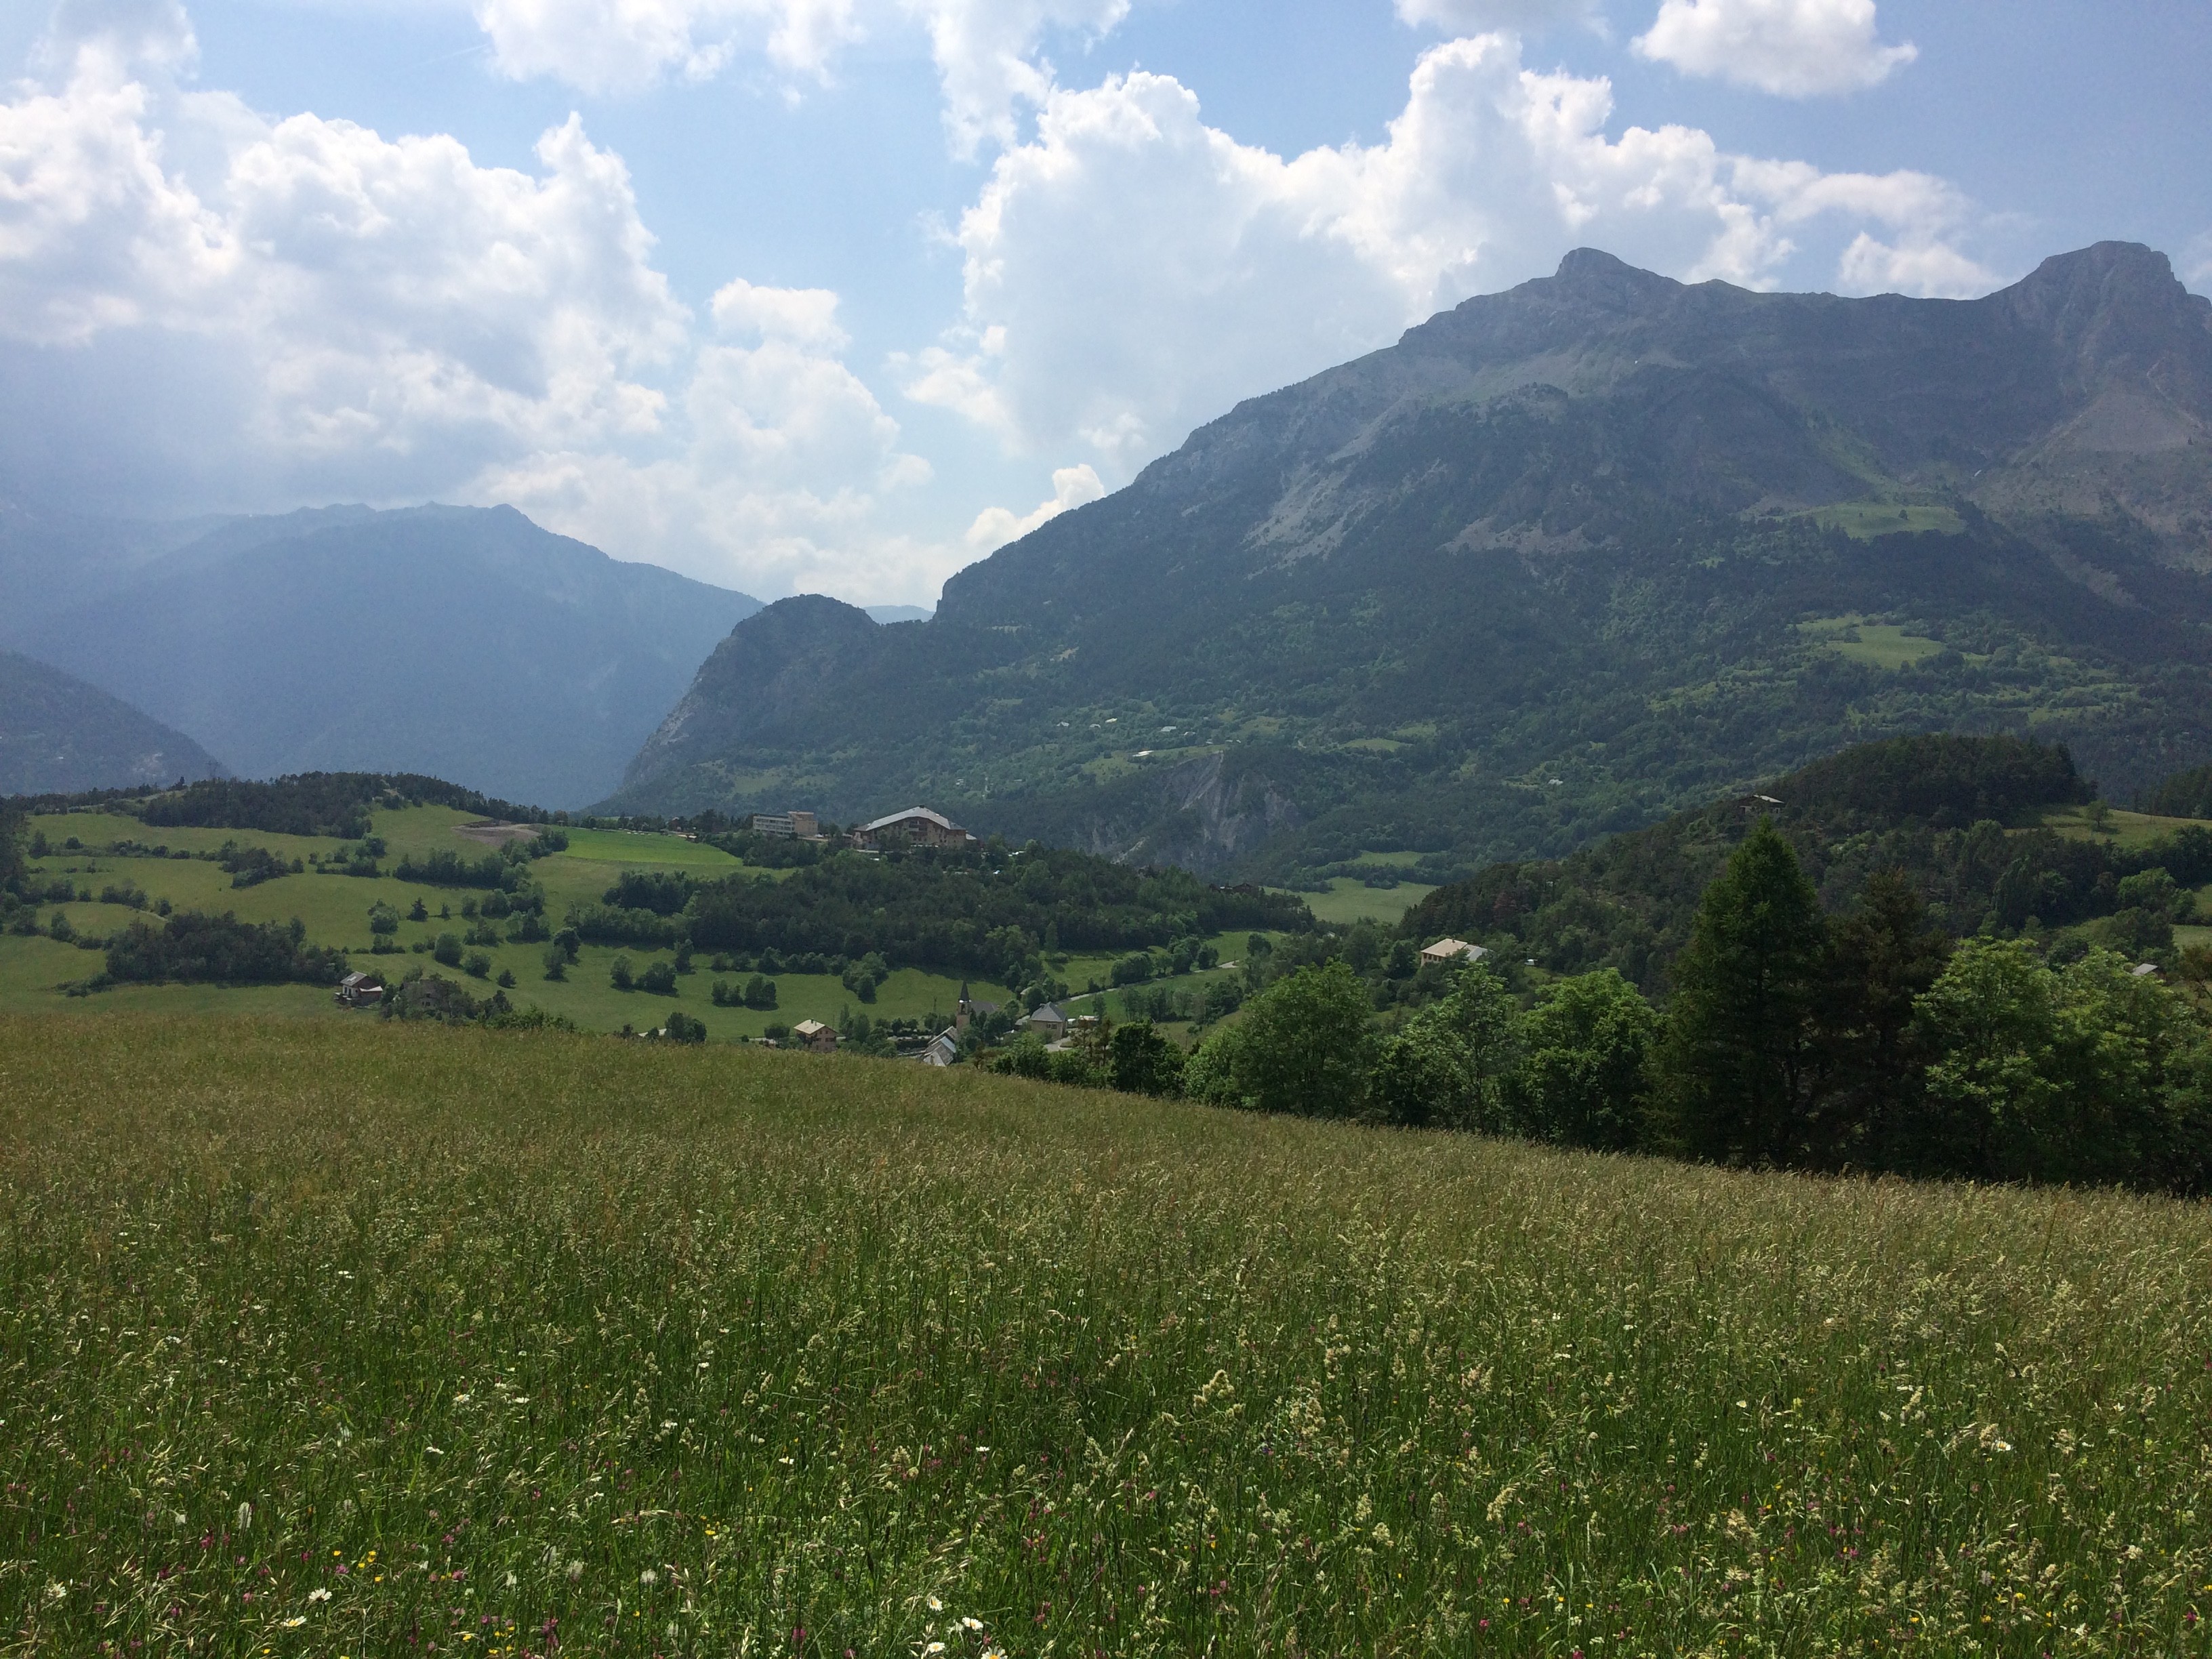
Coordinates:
[318,1595]
[246,1518]
[293,1623]
[648,1577]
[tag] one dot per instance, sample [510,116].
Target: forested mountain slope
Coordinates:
[57,733]
[465,643]
[1563,559]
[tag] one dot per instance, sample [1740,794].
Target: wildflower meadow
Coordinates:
[341,1341]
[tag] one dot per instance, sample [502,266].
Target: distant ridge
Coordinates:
[1562,560]
[461,642]
[59,735]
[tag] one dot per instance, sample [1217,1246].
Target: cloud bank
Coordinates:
[1132,271]
[202,307]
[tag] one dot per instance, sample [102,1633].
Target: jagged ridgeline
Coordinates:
[1964,817]
[337,804]
[1562,560]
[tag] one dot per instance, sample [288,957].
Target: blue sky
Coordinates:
[837,295]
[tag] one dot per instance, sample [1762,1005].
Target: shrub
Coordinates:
[446,949]
[1132,970]
[682,1028]
[619,975]
[660,978]
[476,965]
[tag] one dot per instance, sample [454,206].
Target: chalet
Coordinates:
[1048,1023]
[358,991]
[794,825]
[1452,950]
[916,824]
[942,1050]
[812,1034]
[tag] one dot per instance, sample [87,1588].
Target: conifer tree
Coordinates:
[1738,1061]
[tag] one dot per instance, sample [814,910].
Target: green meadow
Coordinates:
[1349,899]
[334,909]
[334,1339]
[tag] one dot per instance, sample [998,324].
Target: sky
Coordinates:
[839,295]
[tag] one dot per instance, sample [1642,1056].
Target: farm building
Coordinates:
[358,991]
[917,825]
[1453,950]
[942,1050]
[1049,1022]
[814,1035]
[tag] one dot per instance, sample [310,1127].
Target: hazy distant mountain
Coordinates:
[1561,559]
[59,735]
[897,613]
[464,642]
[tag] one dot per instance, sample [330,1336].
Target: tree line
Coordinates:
[1961,816]
[1865,1041]
[995,912]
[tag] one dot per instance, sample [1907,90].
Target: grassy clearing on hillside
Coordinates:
[324,1341]
[2121,828]
[1877,645]
[1862,520]
[1349,899]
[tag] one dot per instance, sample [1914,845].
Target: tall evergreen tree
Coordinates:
[1739,1057]
[1881,958]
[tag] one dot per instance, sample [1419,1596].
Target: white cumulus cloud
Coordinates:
[313,311]
[1072,486]
[1793,48]
[1132,271]
[987,52]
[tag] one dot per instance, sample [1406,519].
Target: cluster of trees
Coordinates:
[420,995]
[444,867]
[336,804]
[1133,1058]
[759,991]
[1958,814]
[1793,1040]
[995,913]
[194,948]
[249,866]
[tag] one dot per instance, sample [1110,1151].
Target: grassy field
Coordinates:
[1878,645]
[1349,899]
[1865,519]
[2122,827]
[325,1340]
[335,910]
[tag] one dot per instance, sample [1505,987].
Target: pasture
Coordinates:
[326,1340]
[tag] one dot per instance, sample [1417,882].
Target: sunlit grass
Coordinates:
[425,1339]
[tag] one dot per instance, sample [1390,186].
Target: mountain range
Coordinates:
[464,642]
[1562,560]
